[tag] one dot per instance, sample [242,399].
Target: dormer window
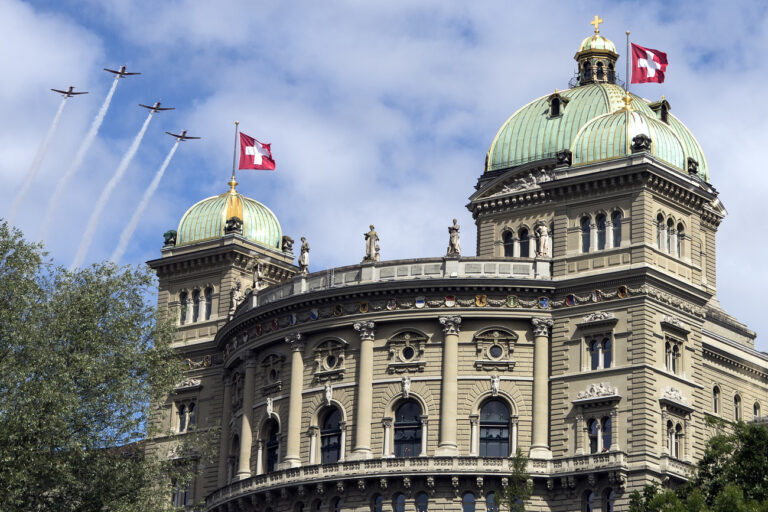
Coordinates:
[662,108]
[556,104]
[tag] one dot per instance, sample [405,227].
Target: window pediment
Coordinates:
[494,349]
[406,352]
[330,357]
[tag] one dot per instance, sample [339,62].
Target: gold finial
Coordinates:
[662,97]
[627,102]
[232,184]
[596,22]
[556,91]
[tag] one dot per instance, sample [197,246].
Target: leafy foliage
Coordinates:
[82,357]
[519,488]
[731,477]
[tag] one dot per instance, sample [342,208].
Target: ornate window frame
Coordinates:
[405,351]
[330,359]
[272,373]
[676,410]
[598,326]
[596,402]
[675,334]
[494,347]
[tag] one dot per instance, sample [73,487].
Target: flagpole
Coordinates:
[234,151]
[626,77]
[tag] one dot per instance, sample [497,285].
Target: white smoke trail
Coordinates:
[36,164]
[104,197]
[77,162]
[125,237]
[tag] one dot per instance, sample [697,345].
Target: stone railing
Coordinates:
[675,467]
[354,471]
[405,270]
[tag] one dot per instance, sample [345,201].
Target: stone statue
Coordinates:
[328,393]
[258,276]
[287,244]
[304,256]
[454,242]
[371,245]
[545,243]
[270,406]
[235,298]
[495,383]
[170,237]
[234,225]
[405,382]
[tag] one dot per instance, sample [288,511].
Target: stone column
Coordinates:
[226,417]
[515,247]
[473,423]
[514,437]
[364,399]
[342,440]
[424,423]
[579,435]
[673,243]
[614,430]
[540,446]
[450,387]
[608,234]
[533,243]
[260,457]
[313,432]
[292,455]
[592,237]
[387,424]
[663,238]
[246,426]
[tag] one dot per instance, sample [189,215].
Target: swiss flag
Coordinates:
[254,154]
[648,65]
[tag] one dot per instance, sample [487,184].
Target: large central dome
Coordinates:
[207,219]
[540,130]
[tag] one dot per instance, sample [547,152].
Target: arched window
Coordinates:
[378,503]
[585,228]
[554,107]
[330,437]
[468,502]
[716,400]
[525,243]
[272,445]
[678,441]
[600,222]
[660,232]
[675,359]
[509,243]
[195,305]
[335,505]
[737,408]
[671,242]
[756,411]
[664,112]
[588,502]
[600,71]
[679,240]
[190,415]
[587,72]
[208,302]
[609,499]
[592,432]
[184,302]
[494,429]
[606,428]
[594,354]
[491,503]
[182,418]
[422,502]
[607,353]
[398,502]
[408,429]
[616,221]
[668,356]
[611,73]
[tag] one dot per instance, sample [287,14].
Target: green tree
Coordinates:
[518,488]
[82,357]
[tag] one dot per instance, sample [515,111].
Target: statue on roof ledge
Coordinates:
[371,246]
[304,256]
[454,241]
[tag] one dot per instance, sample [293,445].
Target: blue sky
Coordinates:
[378,112]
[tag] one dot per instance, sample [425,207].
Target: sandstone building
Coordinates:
[585,332]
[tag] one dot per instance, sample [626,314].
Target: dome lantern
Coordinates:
[596,58]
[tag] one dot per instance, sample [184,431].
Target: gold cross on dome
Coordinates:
[596,22]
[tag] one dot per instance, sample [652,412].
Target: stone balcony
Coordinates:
[421,269]
[372,472]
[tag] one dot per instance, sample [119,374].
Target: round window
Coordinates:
[495,351]
[273,375]
[330,362]
[408,353]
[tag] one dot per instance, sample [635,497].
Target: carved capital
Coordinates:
[451,324]
[314,430]
[365,329]
[386,422]
[296,341]
[541,326]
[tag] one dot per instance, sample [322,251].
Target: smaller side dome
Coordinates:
[596,58]
[610,136]
[597,42]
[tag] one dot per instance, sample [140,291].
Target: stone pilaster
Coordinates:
[449,389]
[246,425]
[364,399]
[540,446]
[226,416]
[292,455]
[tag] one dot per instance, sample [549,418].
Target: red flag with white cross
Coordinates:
[648,65]
[255,154]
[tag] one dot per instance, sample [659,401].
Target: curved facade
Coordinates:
[585,334]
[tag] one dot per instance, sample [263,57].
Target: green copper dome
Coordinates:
[533,133]
[207,219]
